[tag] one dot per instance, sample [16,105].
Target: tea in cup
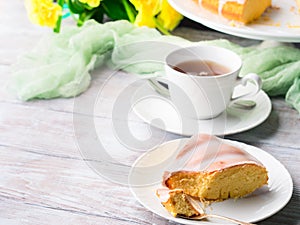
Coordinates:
[201,80]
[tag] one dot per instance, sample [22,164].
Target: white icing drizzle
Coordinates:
[223,2]
[208,153]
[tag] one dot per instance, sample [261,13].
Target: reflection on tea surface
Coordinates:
[201,68]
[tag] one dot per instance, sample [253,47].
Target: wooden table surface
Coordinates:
[44,179]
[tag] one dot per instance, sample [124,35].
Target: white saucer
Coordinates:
[147,171]
[160,112]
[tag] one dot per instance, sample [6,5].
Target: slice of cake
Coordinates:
[244,11]
[177,202]
[213,171]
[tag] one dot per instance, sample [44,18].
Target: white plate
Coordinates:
[147,171]
[283,24]
[160,112]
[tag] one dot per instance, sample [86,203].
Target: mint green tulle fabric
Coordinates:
[60,64]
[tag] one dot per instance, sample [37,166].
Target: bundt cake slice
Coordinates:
[213,171]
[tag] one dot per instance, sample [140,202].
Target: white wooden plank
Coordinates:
[45,183]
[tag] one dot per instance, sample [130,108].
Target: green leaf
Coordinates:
[98,15]
[76,7]
[86,16]
[130,10]
[116,10]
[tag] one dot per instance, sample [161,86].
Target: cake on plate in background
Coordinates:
[244,11]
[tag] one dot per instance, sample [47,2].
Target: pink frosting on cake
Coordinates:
[208,153]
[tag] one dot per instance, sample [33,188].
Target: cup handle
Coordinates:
[251,77]
[160,85]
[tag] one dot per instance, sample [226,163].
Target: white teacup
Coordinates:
[204,97]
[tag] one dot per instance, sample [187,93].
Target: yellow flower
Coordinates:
[91,3]
[43,12]
[168,17]
[147,10]
[156,13]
